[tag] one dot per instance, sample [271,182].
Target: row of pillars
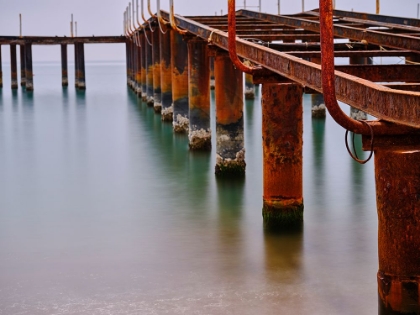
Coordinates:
[26,72]
[173,73]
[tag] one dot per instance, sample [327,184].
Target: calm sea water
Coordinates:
[103,210]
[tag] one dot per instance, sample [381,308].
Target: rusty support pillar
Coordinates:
[28,67]
[166,76]
[144,43]
[199,95]
[1,71]
[127,59]
[157,93]
[133,66]
[76,63]
[249,86]
[64,71]
[282,129]
[354,112]
[179,63]
[22,65]
[149,70]
[212,73]
[230,152]
[81,67]
[13,67]
[138,71]
[397,176]
[318,108]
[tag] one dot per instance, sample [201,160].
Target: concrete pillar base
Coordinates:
[65,82]
[200,139]
[212,84]
[318,111]
[282,213]
[167,113]
[29,86]
[150,101]
[144,97]
[181,124]
[231,167]
[157,107]
[249,94]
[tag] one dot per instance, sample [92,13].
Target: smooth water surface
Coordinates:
[104,210]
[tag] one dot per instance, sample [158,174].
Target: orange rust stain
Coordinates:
[166,77]
[179,84]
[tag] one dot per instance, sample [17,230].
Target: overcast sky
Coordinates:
[105,17]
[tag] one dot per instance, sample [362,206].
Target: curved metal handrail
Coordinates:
[172,18]
[160,18]
[232,41]
[150,11]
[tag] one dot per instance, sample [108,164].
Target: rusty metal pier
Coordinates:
[291,55]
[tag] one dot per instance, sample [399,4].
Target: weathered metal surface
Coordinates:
[81,67]
[166,76]
[143,43]
[76,63]
[199,95]
[157,92]
[22,65]
[13,67]
[58,40]
[353,53]
[28,67]
[149,69]
[64,67]
[397,176]
[230,152]
[1,70]
[282,128]
[179,64]
[377,100]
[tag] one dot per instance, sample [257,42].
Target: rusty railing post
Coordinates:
[22,65]
[179,64]
[230,152]
[28,67]
[166,76]
[13,67]
[282,128]
[157,92]
[64,71]
[199,95]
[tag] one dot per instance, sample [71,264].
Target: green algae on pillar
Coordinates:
[179,63]
[230,152]
[28,67]
[199,95]
[166,76]
[13,67]
[282,129]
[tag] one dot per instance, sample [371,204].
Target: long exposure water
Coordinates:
[104,210]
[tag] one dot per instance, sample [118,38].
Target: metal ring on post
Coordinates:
[232,41]
[354,156]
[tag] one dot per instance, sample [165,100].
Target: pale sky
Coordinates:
[105,17]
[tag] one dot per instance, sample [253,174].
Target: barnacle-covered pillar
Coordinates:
[22,65]
[157,92]
[166,76]
[13,67]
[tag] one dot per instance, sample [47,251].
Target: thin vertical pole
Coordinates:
[71,26]
[377,6]
[64,75]
[20,25]
[13,66]
[28,66]
[278,7]
[303,5]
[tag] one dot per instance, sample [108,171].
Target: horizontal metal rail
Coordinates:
[401,107]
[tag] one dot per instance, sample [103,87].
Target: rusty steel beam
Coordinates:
[414,87]
[383,73]
[376,100]
[351,53]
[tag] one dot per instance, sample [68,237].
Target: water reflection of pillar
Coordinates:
[354,112]
[64,72]
[179,63]
[230,152]
[22,65]
[318,138]
[157,92]
[28,67]
[149,69]
[282,130]
[318,105]
[1,71]
[13,67]
[199,95]
[166,76]
[397,176]
[143,43]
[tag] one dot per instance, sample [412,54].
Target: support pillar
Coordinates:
[76,65]
[318,104]
[199,95]
[179,63]
[166,76]
[127,59]
[144,43]
[138,69]
[354,112]
[22,65]
[282,129]
[397,176]
[28,67]
[13,67]
[249,86]
[81,67]
[157,92]
[230,152]
[1,71]
[64,71]
[149,69]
